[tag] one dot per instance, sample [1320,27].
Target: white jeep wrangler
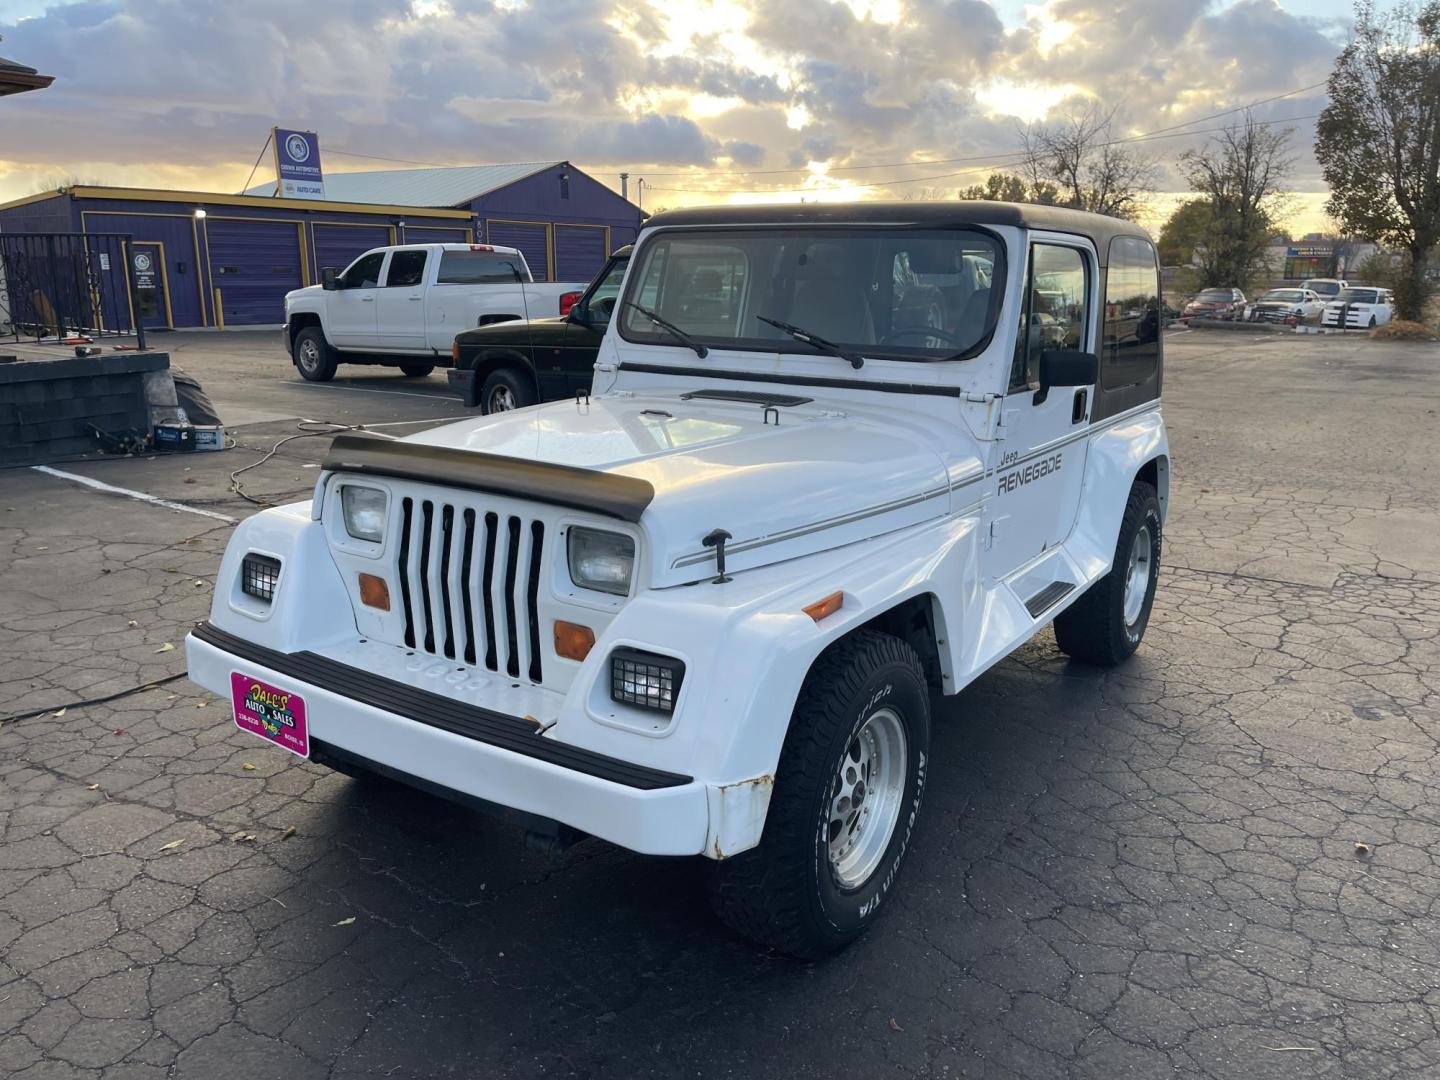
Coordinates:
[833,462]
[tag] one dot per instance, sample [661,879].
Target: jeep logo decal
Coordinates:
[1027,474]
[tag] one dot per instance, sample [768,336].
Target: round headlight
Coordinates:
[364,512]
[600,560]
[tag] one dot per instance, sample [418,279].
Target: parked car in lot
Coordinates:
[1358,307]
[702,610]
[402,306]
[511,365]
[1215,304]
[1285,305]
[1327,288]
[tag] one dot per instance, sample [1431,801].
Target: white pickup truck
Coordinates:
[402,306]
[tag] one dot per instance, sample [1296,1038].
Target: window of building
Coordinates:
[407,269]
[1053,315]
[1132,314]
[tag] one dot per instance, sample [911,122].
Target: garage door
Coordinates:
[337,245]
[529,237]
[427,234]
[579,251]
[253,264]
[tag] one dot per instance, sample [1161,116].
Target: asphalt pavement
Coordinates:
[1155,871]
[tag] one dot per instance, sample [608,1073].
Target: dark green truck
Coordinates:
[509,365]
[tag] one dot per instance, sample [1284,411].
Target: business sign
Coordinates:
[297,165]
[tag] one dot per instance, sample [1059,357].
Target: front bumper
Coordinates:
[468,749]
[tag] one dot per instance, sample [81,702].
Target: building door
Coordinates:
[531,237]
[152,299]
[253,264]
[1040,462]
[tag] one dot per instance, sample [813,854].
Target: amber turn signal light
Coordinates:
[824,608]
[572,640]
[374,592]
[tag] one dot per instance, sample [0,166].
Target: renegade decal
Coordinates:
[1030,473]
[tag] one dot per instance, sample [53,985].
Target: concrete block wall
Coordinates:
[50,409]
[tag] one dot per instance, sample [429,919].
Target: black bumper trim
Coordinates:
[435,710]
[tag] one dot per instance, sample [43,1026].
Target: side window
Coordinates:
[1054,310]
[364,272]
[407,269]
[479,268]
[1132,314]
[601,301]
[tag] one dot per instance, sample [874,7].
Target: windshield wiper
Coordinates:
[665,324]
[799,334]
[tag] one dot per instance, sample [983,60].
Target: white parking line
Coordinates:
[367,390]
[138,495]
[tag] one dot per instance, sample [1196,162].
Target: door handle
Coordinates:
[413,299]
[367,299]
[1077,410]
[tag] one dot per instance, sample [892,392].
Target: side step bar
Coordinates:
[1048,597]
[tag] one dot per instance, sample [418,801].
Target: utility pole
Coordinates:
[640,192]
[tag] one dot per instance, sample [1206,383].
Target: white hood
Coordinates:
[814,480]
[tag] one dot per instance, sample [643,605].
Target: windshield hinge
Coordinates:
[607,368]
[980,398]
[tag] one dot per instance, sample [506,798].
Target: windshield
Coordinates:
[1223,296]
[889,292]
[1283,294]
[1357,296]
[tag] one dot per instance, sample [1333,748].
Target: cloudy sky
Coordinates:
[709,100]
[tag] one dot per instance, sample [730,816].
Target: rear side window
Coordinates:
[407,268]
[1132,314]
[480,268]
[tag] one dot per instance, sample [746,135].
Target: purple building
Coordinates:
[228,260]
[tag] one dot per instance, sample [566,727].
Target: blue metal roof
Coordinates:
[453,186]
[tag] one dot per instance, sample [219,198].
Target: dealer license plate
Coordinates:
[276,715]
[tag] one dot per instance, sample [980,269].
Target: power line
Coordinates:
[246,186]
[994,163]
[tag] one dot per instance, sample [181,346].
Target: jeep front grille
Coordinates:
[470,585]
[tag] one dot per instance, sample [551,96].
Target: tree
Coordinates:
[1378,140]
[56,183]
[1238,175]
[1007,187]
[1085,162]
[1183,232]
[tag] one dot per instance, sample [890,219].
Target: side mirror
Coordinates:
[329,279]
[1065,367]
[580,315]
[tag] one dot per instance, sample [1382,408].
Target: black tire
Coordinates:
[1095,628]
[505,389]
[786,892]
[314,358]
[416,369]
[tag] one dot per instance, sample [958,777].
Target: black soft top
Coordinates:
[937,215]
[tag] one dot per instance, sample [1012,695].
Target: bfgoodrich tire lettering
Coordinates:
[787,893]
[1097,628]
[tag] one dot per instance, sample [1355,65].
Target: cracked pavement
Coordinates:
[1142,873]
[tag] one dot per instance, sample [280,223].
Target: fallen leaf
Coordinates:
[60,713]
[93,787]
[118,731]
[1362,851]
[167,647]
[199,583]
[172,844]
[346,922]
[894,1026]
[248,767]
[201,704]
[243,837]
[132,623]
[289,832]
[189,480]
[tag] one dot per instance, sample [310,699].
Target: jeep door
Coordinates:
[1039,462]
